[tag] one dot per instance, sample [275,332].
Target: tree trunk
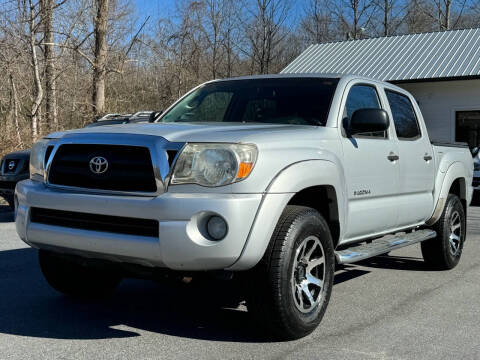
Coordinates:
[448,5]
[14,110]
[50,88]
[385,18]
[99,69]
[355,19]
[38,92]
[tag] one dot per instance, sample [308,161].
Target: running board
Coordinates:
[382,246]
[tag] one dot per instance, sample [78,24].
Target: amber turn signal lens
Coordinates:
[244,170]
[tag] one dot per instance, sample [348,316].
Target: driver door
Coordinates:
[371,170]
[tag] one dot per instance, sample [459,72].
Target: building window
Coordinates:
[467,127]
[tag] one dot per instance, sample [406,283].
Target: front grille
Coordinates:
[10,165]
[94,222]
[129,168]
[476,182]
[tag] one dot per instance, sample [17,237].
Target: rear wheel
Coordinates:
[444,251]
[74,279]
[291,286]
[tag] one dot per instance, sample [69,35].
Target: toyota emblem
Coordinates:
[98,165]
[11,165]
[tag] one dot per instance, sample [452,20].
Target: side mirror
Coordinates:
[368,120]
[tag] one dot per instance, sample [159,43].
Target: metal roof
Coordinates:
[435,55]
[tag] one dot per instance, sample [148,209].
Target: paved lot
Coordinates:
[385,308]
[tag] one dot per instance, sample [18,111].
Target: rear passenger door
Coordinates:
[371,171]
[416,180]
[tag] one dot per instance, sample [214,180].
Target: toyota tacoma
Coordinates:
[274,179]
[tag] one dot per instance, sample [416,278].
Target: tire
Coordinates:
[10,200]
[73,279]
[444,251]
[301,247]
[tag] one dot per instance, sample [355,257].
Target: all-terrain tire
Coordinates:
[276,298]
[444,251]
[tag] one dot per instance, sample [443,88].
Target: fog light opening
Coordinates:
[217,227]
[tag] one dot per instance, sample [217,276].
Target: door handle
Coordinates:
[393,157]
[427,157]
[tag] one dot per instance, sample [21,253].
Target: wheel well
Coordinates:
[458,188]
[323,199]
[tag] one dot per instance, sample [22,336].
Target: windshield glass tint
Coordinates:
[299,101]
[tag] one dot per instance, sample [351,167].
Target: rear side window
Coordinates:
[404,117]
[363,97]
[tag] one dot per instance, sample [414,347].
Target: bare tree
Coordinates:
[100,56]
[62,59]
[213,31]
[447,14]
[50,83]
[38,89]
[393,14]
[317,22]
[14,110]
[266,31]
[418,18]
[355,17]
[230,34]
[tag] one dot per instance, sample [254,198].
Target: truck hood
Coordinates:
[203,132]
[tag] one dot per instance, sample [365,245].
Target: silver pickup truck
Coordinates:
[274,179]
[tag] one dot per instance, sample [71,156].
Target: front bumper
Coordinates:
[180,246]
[8,182]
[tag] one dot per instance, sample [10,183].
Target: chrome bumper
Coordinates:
[180,246]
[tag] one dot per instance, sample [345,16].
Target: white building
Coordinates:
[441,69]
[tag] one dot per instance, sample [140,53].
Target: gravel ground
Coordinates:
[384,308]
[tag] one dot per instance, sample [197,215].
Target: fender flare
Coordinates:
[455,171]
[282,188]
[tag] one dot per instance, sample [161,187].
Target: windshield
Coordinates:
[298,101]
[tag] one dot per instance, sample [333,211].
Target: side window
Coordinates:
[404,117]
[363,97]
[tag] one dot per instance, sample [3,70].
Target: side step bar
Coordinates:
[382,246]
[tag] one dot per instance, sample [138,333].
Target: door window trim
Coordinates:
[420,135]
[344,110]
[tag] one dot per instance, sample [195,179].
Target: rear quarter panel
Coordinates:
[451,163]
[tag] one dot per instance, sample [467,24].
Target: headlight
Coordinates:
[214,164]
[37,159]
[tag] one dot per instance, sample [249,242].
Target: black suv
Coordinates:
[14,167]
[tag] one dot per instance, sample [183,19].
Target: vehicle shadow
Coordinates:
[395,263]
[6,214]
[475,199]
[30,307]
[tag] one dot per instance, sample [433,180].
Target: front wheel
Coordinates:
[444,251]
[290,288]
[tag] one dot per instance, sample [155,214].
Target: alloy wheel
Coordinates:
[308,274]
[455,233]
